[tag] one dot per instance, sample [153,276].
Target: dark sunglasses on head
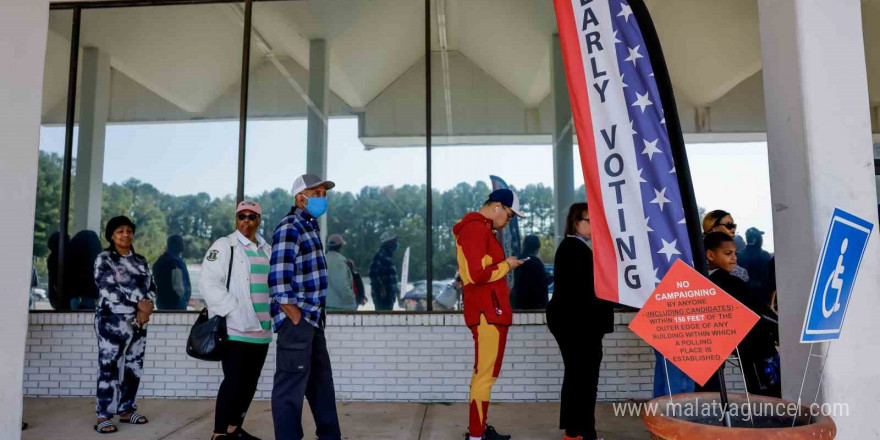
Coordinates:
[250,217]
[730,225]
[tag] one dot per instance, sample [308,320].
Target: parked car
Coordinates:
[446,296]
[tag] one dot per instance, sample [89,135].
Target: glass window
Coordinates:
[51,156]
[339,92]
[156,140]
[492,115]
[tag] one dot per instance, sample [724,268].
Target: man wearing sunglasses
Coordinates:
[483,270]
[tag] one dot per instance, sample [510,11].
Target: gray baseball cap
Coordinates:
[308,181]
[387,236]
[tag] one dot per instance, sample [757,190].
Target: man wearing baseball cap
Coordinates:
[298,290]
[483,270]
[340,279]
[754,259]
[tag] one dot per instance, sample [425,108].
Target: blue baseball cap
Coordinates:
[507,198]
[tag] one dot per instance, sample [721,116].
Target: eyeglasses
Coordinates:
[730,225]
[250,217]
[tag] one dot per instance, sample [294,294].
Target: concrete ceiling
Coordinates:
[189,55]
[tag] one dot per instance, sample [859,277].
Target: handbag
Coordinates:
[207,336]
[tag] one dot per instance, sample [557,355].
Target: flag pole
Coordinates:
[679,154]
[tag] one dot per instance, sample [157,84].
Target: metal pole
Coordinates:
[821,376]
[429,202]
[724,402]
[742,371]
[243,103]
[803,381]
[68,151]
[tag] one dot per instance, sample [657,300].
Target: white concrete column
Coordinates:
[319,90]
[563,145]
[94,111]
[24,26]
[819,141]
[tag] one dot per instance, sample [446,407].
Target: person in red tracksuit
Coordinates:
[487,312]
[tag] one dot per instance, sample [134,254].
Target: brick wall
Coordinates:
[375,357]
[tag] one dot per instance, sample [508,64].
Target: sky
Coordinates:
[188,158]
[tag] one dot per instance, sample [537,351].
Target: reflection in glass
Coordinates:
[45,294]
[492,113]
[318,89]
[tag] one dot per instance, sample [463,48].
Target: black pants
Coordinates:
[303,370]
[242,363]
[582,356]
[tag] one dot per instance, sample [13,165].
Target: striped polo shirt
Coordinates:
[259,281]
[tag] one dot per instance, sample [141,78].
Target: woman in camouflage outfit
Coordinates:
[126,290]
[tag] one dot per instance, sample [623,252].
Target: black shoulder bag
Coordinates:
[207,336]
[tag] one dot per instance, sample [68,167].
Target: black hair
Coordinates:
[575,213]
[531,245]
[174,244]
[714,240]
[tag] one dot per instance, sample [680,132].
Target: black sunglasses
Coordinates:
[250,217]
[730,225]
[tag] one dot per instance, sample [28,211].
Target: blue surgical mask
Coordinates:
[316,206]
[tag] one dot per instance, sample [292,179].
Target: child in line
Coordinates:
[759,357]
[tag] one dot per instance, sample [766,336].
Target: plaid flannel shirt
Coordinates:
[298,273]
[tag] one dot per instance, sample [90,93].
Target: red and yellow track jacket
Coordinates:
[483,269]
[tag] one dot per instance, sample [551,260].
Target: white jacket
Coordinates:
[235,304]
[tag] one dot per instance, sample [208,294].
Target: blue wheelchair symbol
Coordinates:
[838,266]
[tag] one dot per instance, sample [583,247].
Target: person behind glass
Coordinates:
[126,292]
[172,277]
[384,285]
[578,320]
[85,247]
[721,221]
[529,290]
[298,283]
[245,304]
[341,287]
[57,299]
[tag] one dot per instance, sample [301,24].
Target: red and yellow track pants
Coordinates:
[489,342]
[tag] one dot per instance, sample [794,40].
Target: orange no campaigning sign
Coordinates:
[692,322]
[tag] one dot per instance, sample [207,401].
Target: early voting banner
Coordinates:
[631,147]
[692,322]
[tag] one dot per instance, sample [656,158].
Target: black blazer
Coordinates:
[760,342]
[574,302]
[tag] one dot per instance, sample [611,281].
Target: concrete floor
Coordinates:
[73,419]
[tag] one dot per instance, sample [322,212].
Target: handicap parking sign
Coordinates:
[835,276]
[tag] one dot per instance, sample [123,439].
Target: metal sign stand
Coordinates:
[804,380]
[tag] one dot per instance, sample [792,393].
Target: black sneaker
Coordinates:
[492,434]
[241,434]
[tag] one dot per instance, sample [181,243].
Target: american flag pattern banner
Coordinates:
[636,206]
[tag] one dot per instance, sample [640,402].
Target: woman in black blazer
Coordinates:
[578,320]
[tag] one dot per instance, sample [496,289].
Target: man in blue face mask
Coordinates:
[298,291]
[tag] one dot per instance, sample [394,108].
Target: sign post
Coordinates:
[836,271]
[692,322]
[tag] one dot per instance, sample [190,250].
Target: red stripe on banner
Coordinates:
[604,258]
